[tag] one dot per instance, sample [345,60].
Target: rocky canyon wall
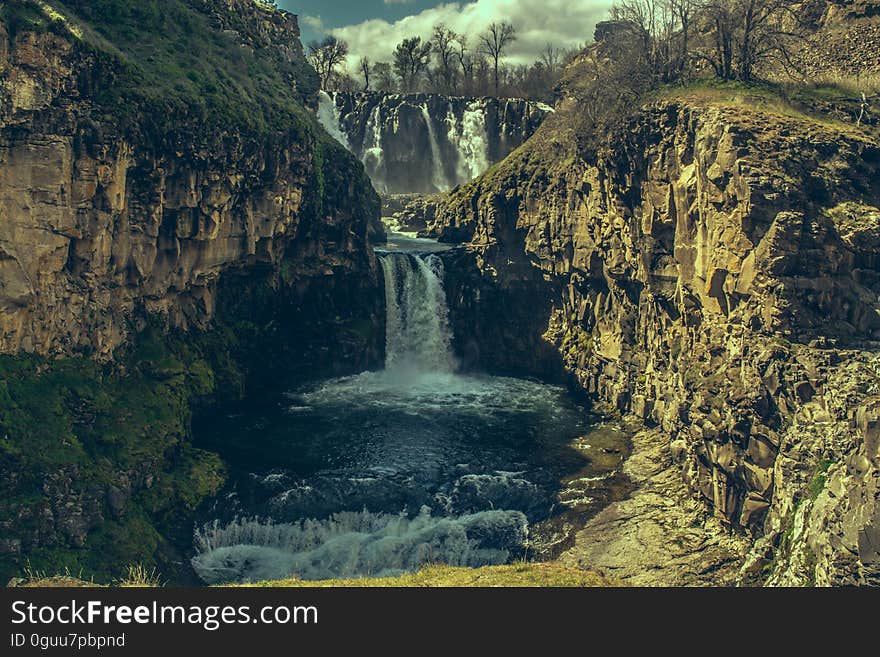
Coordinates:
[169,241]
[98,224]
[710,266]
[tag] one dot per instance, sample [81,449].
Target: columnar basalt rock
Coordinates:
[97,226]
[709,268]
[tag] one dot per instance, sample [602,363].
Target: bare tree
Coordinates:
[384,77]
[746,35]
[411,58]
[326,55]
[443,42]
[551,58]
[466,63]
[493,43]
[652,25]
[365,71]
[768,30]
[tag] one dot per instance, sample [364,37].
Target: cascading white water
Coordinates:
[439,176]
[417,334]
[470,141]
[372,154]
[353,543]
[328,116]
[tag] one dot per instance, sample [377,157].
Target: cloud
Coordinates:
[564,23]
[313,22]
[397,2]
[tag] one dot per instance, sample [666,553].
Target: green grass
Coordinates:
[517,574]
[161,62]
[548,574]
[788,100]
[819,478]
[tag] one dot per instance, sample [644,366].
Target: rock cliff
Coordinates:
[97,221]
[175,229]
[709,265]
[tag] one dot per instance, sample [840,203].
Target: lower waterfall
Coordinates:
[386,471]
[417,335]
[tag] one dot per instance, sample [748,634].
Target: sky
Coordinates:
[373,27]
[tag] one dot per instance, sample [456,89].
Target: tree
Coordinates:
[383,76]
[365,71]
[653,26]
[551,58]
[684,11]
[493,43]
[411,58]
[746,35]
[326,55]
[443,43]
[466,63]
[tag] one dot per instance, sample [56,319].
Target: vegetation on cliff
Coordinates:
[175,66]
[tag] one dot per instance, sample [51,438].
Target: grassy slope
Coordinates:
[518,574]
[163,65]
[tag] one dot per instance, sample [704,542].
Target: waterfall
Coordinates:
[328,116]
[439,176]
[417,333]
[470,141]
[372,154]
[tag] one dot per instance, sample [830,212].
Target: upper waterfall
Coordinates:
[328,116]
[426,143]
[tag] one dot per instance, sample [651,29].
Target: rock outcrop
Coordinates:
[843,42]
[710,266]
[97,223]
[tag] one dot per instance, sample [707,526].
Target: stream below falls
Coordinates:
[386,471]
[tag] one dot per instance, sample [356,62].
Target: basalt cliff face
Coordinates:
[425,143]
[710,266]
[166,241]
[99,224]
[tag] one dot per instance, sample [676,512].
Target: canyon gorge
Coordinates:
[645,346]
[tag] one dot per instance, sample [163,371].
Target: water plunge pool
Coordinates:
[383,472]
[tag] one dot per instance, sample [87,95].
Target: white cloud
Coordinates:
[397,2]
[313,22]
[564,23]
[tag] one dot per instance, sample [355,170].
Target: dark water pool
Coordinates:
[383,472]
